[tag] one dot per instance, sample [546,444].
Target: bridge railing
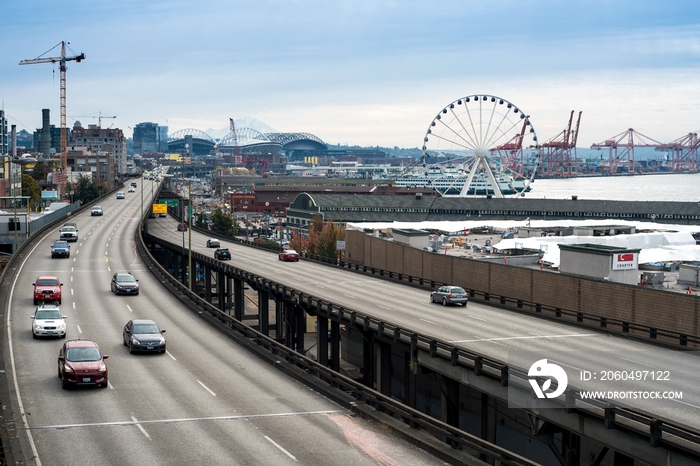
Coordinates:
[639,424]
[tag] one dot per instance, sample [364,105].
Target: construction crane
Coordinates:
[63,59]
[99,117]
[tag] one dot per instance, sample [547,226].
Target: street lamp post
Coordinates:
[189,230]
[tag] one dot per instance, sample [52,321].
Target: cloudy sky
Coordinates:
[365,72]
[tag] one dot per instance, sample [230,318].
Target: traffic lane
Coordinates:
[477,327]
[94,328]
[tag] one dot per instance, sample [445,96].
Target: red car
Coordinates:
[47,288]
[289,255]
[80,362]
[181,227]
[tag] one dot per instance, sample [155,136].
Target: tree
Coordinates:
[222,223]
[31,188]
[85,190]
[327,239]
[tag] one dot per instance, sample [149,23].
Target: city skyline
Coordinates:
[357,73]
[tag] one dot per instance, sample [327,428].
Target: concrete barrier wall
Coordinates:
[657,308]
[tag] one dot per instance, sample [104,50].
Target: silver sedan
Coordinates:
[449,295]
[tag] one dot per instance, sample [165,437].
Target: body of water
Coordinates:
[668,187]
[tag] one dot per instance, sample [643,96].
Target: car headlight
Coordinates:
[37,326]
[162,340]
[67,369]
[62,326]
[103,367]
[134,341]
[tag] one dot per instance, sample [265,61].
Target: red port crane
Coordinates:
[684,153]
[557,159]
[63,59]
[624,159]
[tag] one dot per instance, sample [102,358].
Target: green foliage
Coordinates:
[31,188]
[85,189]
[222,223]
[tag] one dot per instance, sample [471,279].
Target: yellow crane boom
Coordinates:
[63,59]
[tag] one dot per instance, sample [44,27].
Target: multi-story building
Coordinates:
[102,141]
[162,139]
[145,138]
[55,139]
[100,166]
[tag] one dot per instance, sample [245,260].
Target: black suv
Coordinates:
[222,254]
[124,283]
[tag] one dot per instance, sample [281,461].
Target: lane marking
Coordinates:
[168,353]
[430,322]
[494,342]
[384,307]
[637,362]
[73,304]
[477,318]
[191,419]
[129,308]
[143,431]
[280,448]
[206,388]
[79,330]
[526,338]
[109,384]
[567,365]
[347,295]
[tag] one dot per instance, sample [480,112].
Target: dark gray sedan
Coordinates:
[449,295]
[143,335]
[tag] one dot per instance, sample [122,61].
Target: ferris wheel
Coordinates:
[481,145]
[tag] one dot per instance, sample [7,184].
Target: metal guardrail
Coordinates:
[633,422]
[570,316]
[382,403]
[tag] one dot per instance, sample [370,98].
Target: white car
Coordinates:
[131,189]
[120,195]
[48,321]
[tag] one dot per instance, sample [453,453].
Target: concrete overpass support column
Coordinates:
[571,447]
[229,295]
[335,346]
[449,405]
[383,367]
[620,459]
[238,299]
[221,290]
[279,320]
[368,358]
[183,268]
[288,323]
[299,328]
[488,418]
[411,376]
[264,312]
[322,339]
[207,283]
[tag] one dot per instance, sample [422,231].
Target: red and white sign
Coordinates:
[626,261]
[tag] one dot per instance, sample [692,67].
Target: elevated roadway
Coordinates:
[206,401]
[487,330]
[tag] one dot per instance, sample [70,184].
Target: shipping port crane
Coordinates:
[63,59]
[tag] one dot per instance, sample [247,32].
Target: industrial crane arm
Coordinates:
[52,59]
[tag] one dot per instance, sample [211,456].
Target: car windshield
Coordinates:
[47,282]
[458,290]
[43,315]
[60,244]
[223,250]
[125,279]
[97,208]
[145,328]
[83,354]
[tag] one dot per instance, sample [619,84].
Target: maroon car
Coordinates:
[289,255]
[80,362]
